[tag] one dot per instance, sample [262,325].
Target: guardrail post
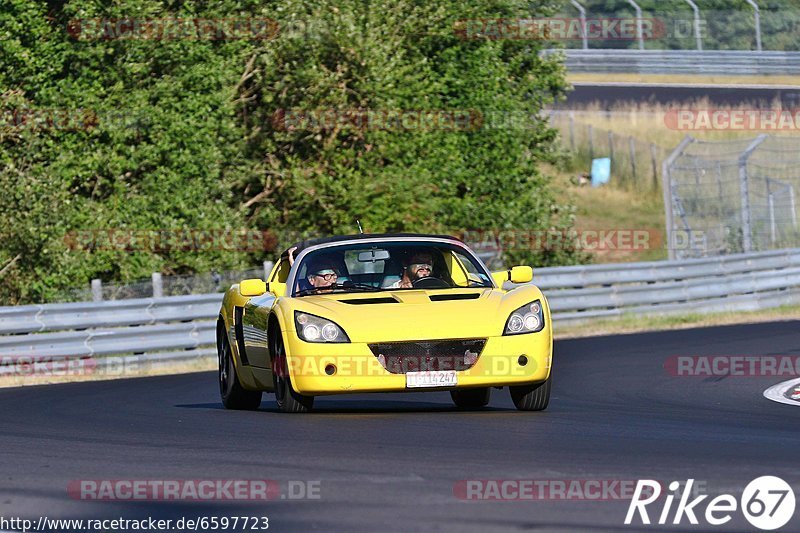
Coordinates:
[747,235]
[97,290]
[582,12]
[757,15]
[632,146]
[267,269]
[591,143]
[158,285]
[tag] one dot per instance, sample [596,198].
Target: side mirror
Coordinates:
[252,287]
[518,274]
[521,274]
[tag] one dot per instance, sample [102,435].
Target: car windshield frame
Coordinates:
[292,279]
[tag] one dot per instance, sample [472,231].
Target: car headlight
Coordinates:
[527,319]
[312,328]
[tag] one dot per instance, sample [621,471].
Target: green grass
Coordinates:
[608,208]
[626,202]
[647,123]
[633,323]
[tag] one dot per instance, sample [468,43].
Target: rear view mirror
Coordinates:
[252,287]
[373,255]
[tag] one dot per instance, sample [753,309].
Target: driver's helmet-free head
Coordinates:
[417,255]
[322,266]
[419,263]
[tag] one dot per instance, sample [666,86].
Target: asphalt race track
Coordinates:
[611,94]
[391,462]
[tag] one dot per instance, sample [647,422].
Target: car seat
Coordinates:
[392,270]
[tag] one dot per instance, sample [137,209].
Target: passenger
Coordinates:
[416,266]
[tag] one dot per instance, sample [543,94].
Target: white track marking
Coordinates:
[777,393]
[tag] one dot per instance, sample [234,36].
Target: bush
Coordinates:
[189,133]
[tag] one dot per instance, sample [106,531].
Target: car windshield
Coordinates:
[375,267]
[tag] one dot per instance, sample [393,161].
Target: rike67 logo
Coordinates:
[767,503]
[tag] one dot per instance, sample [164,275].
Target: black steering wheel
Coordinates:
[429,282]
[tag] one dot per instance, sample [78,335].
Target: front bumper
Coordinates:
[357,369]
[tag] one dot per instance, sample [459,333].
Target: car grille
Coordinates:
[417,356]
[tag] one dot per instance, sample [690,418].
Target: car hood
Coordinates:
[416,314]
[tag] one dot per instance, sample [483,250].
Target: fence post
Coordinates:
[654,162]
[747,235]
[591,143]
[639,23]
[158,285]
[773,230]
[572,131]
[582,11]
[757,15]
[719,189]
[267,269]
[632,145]
[611,152]
[611,144]
[697,33]
[97,290]
[667,192]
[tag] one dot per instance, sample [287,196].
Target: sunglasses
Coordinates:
[327,275]
[420,266]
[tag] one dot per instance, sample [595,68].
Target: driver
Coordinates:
[416,266]
[322,275]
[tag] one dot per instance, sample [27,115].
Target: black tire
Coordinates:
[287,399]
[532,397]
[471,398]
[233,395]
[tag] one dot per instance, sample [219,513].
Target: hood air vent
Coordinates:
[445,297]
[366,301]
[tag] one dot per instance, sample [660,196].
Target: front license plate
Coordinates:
[433,378]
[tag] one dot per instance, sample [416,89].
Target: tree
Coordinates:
[326,162]
[185,133]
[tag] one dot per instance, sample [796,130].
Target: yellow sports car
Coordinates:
[384,313]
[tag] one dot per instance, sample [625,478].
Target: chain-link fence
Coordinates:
[754,25]
[158,285]
[205,283]
[634,163]
[732,196]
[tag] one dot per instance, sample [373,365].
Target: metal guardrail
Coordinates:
[183,327]
[680,61]
[108,341]
[735,282]
[655,271]
[84,315]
